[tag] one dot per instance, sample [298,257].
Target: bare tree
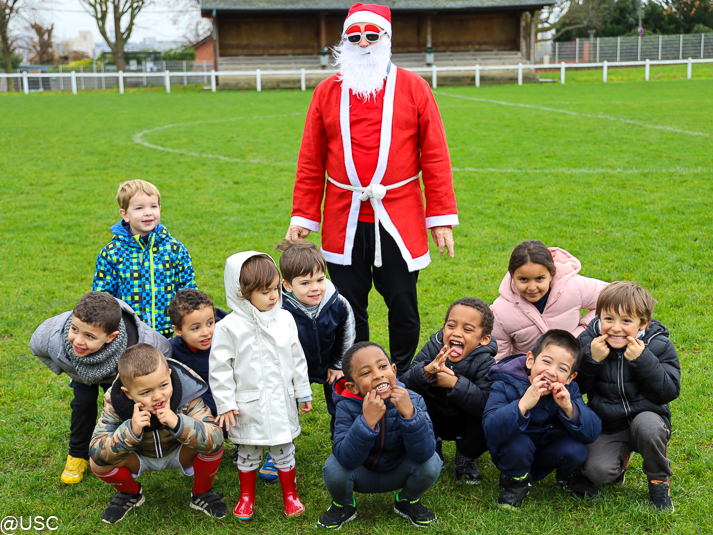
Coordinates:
[9,9]
[571,14]
[42,47]
[123,15]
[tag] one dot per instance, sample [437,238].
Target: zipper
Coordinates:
[153,284]
[315,334]
[381,446]
[620,385]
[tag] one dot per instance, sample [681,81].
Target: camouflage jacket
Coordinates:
[113,440]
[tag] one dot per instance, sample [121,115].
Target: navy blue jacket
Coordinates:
[546,422]
[619,390]
[470,394]
[326,338]
[197,360]
[382,449]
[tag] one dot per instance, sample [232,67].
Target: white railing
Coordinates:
[617,49]
[164,78]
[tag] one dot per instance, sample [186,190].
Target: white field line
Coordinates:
[672,170]
[139,138]
[578,114]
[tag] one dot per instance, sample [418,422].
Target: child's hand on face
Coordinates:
[140,419]
[305,407]
[402,401]
[373,408]
[334,375]
[167,417]
[634,348]
[532,395]
[600,349]
[226,417]
[562,398]
[438,364]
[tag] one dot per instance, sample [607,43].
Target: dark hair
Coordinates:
[99,309]
[349,356]
[299,259]
[481,306]
[185,302]
[257,274]
[627,297]
[138,361]
[531,251]
[563,339]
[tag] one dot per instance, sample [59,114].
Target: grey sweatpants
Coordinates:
[608,456]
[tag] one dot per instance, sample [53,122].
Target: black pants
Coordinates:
[467,433]
[84,417]
[395,283]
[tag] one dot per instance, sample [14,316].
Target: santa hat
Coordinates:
[369,13]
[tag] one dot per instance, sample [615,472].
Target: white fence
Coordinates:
[618,49]
[77,81]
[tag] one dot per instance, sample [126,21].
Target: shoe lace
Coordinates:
[465,462]
[209,496]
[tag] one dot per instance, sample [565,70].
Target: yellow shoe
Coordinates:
[74,470]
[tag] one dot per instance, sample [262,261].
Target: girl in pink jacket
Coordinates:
[541,291]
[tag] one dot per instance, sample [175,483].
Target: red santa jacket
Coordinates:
[415,143]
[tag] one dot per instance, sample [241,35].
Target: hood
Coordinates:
[654,329]
[328,299]
[233,296]
[511,369]
[490,349]
[119,229]
[566,265]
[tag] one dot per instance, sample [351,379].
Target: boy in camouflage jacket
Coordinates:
[154,419]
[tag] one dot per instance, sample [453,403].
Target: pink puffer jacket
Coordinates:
[518,324]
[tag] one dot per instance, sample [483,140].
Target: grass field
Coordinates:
[620,175]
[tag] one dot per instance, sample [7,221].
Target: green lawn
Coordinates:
[620,175]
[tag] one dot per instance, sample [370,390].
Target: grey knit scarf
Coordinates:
[95,368]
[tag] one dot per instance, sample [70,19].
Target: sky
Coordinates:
[155,20]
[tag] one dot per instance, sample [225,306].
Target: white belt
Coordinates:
[374,193]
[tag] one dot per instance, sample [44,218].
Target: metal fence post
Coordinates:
[167,81]
[659,48]
[74,82]
[477,76]
[562,73]
[212,80]
[618,48]
[689,69]
[258,80]
[434,77]
[121,82]
[25,83]
[519,74]
[597,49]
[81,70]
[647,70]
[604,72]
[680,47]
[94,70]
[61,80]
[145,71]
[638,53]
[557,51]
[103,77]
[303,82]
[185,78]
[576,50]
[205,76]
[703,36]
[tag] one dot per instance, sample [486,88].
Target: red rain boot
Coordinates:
[288,480]
[244,508]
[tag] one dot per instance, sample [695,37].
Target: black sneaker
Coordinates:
[439,451]
[415,511]
[210,502]
[467,469]
[337,515]
[579,486]
[514,491]
[122,503]
[660,496]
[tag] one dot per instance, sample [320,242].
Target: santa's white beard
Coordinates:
[363,69]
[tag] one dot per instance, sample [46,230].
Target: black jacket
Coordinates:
[470,394]
[618,390]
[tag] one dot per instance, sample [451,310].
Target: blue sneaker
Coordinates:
[268,472]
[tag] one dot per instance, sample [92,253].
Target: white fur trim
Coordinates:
[366,17]
[306,223]
[442,221]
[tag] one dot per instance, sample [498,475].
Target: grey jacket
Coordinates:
[47,344]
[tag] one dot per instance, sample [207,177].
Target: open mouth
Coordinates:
[456,348]
[383,387]
[159,406]
[206,342]
[78,350]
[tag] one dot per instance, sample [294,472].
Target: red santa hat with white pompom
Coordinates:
[369,14]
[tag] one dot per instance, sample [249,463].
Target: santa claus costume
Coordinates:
[372,130]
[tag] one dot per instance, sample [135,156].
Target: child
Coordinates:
[324,318]
[258,373]
[154,419]
[536,421]
[630,373]
[541,291]
[85,343]
[193,318]
[451,373]
[383,440]
[143,264]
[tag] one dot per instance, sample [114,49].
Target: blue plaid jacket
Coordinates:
[145,272]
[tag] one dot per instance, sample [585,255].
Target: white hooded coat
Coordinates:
[257,366]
